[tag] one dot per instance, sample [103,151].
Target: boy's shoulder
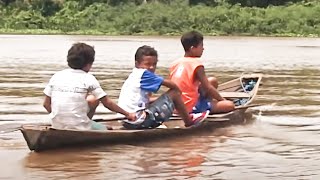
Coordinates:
[136,73]
[59,73]
[69,71]
[73,74]
[143,79]
[139,72]
[144,75]
[187,61]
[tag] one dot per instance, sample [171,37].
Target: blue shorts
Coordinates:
[158,112]
[97,126]
[202,105]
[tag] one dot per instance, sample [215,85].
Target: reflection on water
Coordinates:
[282,143]
[177,157]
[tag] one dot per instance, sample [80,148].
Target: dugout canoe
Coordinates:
[241,90]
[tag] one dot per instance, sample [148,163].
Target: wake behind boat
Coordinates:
[241,91]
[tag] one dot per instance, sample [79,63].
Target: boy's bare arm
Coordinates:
[170,84]
[47,104]
[152,98]
[207,87]
[108,103]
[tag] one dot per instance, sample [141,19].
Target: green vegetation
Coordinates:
[165,17]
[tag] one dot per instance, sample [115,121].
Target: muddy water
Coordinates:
[281,143]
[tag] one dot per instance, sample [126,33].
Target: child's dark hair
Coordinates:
[189,39]
[79,55]
[144,51]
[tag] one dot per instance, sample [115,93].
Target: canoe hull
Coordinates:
[40,138]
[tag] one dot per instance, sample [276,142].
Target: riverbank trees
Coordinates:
[161,17]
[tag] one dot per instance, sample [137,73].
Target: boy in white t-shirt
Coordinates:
[72,95]
[137,89]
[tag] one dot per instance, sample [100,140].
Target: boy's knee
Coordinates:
[213,81]
[173,93]
[229,105]
[223,106]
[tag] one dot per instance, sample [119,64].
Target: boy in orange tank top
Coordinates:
[199,92]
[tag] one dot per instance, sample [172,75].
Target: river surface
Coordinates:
[282,142]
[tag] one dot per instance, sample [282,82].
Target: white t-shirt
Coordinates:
[68,90]
[134,95]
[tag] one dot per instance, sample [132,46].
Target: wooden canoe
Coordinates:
[40,138]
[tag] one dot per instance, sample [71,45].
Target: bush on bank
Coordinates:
[76,17]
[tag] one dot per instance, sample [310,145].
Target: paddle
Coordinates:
[11,127]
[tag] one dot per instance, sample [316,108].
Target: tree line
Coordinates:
[161,17]
[248,3]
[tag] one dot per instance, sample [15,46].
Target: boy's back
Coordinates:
[182,72]
[68,90]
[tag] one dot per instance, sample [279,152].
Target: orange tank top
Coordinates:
[182,72]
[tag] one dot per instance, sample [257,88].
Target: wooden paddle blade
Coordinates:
[11,127]
[9,130]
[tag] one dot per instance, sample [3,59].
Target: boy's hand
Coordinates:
[131,116]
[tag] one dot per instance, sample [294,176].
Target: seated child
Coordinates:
[199,93]
[73,94]
[136,93]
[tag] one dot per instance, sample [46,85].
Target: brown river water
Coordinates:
[282,142]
